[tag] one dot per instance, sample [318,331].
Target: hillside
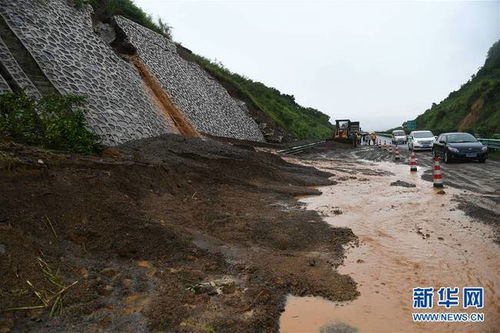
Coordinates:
[475,107]
[302,122]
[278,115]
[134,82]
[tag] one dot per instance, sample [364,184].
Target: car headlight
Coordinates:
[455,150]
[485,148]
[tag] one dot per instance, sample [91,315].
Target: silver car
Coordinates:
[420,140]
[398,137]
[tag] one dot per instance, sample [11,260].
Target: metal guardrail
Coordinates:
[491,143]
[387,135]
[299,149]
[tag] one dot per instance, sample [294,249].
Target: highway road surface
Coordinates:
[482,178]
[409,235]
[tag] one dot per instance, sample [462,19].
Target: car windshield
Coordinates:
[423,135]
[398,133]
[461,137]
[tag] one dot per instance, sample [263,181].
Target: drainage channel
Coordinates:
[24,60]
[180,121]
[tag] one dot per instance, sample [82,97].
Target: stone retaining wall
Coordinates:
[16,72]
[61,40]
[76,60]
[3,85]
[202,99]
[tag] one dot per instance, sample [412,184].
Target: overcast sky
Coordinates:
[379,62]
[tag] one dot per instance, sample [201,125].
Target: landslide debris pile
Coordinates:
[171,233]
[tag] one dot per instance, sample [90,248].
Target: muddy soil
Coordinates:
[407,237]
[167,234]
[402,184]
[479,183]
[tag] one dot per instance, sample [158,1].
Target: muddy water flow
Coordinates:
[408,237]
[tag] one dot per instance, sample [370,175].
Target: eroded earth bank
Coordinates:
[168,234]
[181,234]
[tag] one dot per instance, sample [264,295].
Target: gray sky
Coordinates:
[379,62]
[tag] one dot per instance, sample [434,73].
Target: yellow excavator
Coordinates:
[345,129]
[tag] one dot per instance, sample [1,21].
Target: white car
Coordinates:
[398,137]
[420,140]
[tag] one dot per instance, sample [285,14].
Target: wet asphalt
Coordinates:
[479,182]
[481,178]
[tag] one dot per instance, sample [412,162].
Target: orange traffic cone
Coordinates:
[397,156]
[436,175]
[413,161]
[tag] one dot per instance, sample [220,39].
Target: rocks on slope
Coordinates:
[60,40]
[205,102]
[76,61]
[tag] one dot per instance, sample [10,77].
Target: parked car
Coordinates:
[420,140]
[398,137]
[459,145]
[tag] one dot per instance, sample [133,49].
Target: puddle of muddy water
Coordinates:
[408,237]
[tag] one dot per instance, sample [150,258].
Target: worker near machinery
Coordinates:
[364,139]
[354,139]
[357,138]
[374,138]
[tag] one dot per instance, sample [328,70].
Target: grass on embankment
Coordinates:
[474,108]
[302,122]
[128,9]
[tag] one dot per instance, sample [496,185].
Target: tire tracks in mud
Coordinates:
[479,182]
[407,237]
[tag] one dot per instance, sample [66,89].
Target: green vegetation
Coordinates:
[300,121]
[128,9]
[51,122]
[475,107]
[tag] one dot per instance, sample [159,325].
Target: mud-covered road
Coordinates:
[410,235]
[478,177]
[479,183]
[482,178]
[181,234]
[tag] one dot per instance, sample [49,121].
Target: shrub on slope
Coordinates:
[475,107]
[51,122]
[128,9]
